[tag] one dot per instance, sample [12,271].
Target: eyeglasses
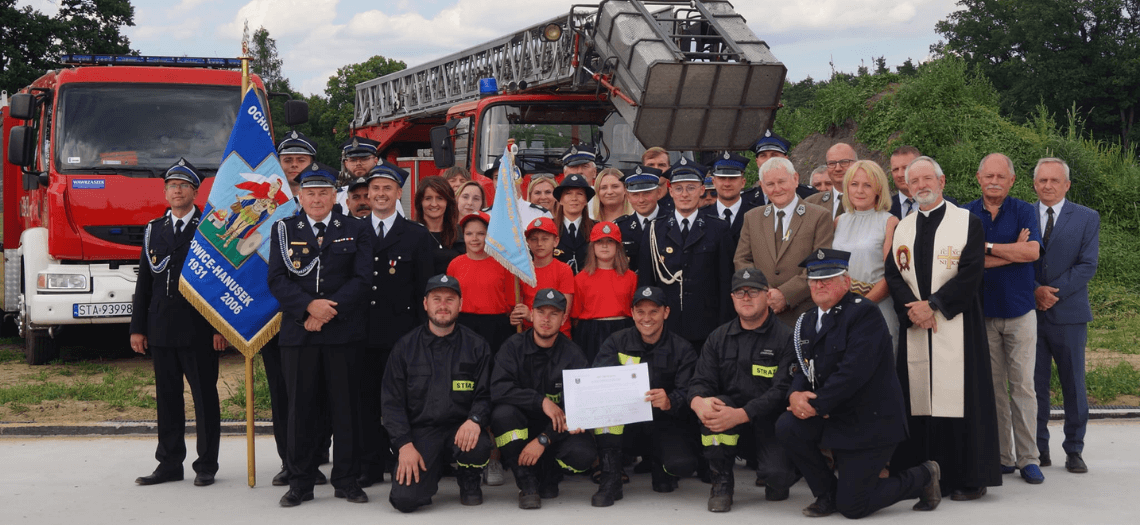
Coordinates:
[843,163]
[752,293]
[178,186]
[688,188]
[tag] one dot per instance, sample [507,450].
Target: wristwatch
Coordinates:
[543,440]
[989,248]
[478,420]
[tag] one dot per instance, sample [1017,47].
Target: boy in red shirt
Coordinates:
[542,238]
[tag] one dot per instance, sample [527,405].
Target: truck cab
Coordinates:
[86,148]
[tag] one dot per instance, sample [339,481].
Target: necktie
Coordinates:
[819,321]
[572,230]
[178,225]
[645,224]
[909,206]
[779,228]
[838,204]
[320,226]
[1048,225]
[728,215]
[380,230]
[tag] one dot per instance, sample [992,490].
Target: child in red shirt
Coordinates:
[484,282]
[541,238]
[604,290]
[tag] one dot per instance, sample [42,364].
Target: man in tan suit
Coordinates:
[839,158]
[776,237]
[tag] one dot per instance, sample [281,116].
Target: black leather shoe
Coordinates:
[1075,464]
[352,493]
[367,480]
[320,478]
[159,476]
[294,497]
[282,478]
[823,506]
[774,494]
[1044,459]
[968,494]
[932,493]
[203,479]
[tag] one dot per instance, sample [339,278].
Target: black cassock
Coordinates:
[966,448]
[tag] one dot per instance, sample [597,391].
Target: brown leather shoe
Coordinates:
[932,493]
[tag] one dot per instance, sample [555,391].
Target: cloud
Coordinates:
[283,18]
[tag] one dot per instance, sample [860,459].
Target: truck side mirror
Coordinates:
[296,112]
[22,145]
[22,106]
[441,147]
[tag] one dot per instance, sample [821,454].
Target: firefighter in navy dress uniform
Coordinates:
[574,222]
[401,266]
[689,257]
[641,190]
[846,396]
[728,180]
[766,147]
[180,340]
[319,269]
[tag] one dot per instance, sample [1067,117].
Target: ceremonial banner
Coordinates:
[506,241]
[225,272]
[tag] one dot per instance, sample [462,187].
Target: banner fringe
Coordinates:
[530,281]
[248,348]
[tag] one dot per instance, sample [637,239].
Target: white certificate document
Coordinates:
[606,396]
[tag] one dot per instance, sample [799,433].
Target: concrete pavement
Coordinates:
[90,480]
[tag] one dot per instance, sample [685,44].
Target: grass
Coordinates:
[10,355]
[233,405]
[117,388]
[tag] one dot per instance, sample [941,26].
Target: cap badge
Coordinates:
[181,162]
[294,135]
[637,170]
[768,133]
[684,161]
[819,255]
[355,143]
[647,292]
[537,222]
[443,279]
[550,294]
[727,156]
[746,275]
[605,229]
[573,150]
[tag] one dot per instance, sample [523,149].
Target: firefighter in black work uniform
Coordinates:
[319,267]
[401,265]
[437,400]
[526,388]
[180,340]
[668,441]
[740,385]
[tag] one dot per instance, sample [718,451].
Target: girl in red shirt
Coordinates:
[603,290]
[541,238]
[484,283]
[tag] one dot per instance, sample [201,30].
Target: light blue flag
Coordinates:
[506,239]
[224,276]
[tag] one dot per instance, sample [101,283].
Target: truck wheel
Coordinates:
[40,347]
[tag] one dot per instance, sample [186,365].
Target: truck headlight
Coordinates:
[61,282]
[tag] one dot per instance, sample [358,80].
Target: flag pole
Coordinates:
[251,467]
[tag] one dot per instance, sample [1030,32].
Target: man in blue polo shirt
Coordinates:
[1013,242]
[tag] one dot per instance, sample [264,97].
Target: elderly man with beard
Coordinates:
[437,400]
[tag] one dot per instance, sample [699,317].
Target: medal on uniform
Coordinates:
[304,251]
[290,252]
[392,264]
[668,249]
[297,264]
[153,259]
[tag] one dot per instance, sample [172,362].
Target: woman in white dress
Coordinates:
[866,229]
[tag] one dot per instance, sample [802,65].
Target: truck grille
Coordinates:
[128,235]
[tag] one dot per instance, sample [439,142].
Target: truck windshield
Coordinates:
[140,130]
[544,132]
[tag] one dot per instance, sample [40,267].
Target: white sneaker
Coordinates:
[493,473]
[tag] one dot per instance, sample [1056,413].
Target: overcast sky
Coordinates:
[315,37]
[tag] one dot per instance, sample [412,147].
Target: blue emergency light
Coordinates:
[168,61]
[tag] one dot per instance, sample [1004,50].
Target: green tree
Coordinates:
[907,69]
[1059,53]
[92,26]
[26,48]
[341,93]
[266,63]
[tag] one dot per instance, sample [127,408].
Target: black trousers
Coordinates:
[199,364]
[437,446]
[513,429]
[772,462]
[858,491]
[279,402]
[671,442]
[375,451]
[339,367]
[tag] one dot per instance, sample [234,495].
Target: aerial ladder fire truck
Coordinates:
[622,75]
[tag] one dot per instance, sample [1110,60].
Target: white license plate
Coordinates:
[101,310]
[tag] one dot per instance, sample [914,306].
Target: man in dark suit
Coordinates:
[401,266]
[845,396]
[728,179]
[769,146]
[318,271]
[689,257]
[1071,236]
[180,340]
[641,184]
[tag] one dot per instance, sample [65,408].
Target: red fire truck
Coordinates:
[86,148]
[623,75]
